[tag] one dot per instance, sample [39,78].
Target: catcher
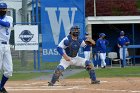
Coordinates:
[69,48]
[90,42]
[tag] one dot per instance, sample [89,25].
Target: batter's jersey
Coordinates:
[5,31]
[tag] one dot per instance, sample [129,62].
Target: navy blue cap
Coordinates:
[122,33]
[86,33]
[102,34]
[3,5]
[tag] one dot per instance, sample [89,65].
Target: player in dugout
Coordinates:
[68,49]
[123,41]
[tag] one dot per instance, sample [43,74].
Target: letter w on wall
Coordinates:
[57,16]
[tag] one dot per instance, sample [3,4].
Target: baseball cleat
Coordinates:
[3,90]
[95,82]
[103,67]
[50,84]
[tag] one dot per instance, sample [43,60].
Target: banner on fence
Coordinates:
[57,16]
[26,37]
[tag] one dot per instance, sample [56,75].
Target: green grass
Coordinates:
[133,71]
[111,72]
[108,72]
[27,76]
[30,65]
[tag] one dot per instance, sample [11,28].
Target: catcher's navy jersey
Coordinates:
[72,48]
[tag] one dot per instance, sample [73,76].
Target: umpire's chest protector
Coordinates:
[73,47]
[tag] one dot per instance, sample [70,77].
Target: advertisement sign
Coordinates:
[57,17]
[26,37]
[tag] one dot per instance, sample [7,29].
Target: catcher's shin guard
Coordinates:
[88,65]
[56,75]
[91,72]
[93,77]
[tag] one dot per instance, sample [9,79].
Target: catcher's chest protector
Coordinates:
[73,47]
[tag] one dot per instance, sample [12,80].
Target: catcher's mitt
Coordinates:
[90,41]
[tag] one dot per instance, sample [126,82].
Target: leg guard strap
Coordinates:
[88,65]
[92,74]
[57,73]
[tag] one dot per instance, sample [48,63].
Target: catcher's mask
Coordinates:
[75,31]
[3,9]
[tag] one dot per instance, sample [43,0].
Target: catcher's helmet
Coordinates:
[3,6]
[102,35]
[122,33]
[74,30]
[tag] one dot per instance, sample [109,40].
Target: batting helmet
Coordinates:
[3,9]
[3,6]
[74,30]
[102,35]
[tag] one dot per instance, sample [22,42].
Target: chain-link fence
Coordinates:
[31,64]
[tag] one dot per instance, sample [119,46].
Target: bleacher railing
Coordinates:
[134,56]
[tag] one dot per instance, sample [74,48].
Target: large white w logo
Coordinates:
[64,17]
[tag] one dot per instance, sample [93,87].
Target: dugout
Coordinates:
[111,26]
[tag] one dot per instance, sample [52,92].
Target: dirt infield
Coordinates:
[107,85]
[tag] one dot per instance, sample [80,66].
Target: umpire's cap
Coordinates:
[3,6]
[102,34]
